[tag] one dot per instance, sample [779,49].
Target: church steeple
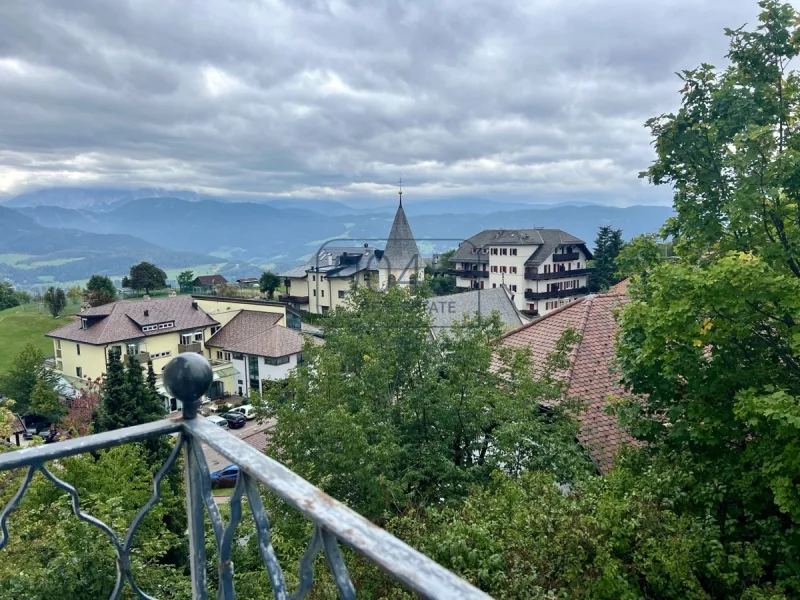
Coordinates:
[400,192]
[401,248]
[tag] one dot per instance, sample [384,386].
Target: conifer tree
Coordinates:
[606,249]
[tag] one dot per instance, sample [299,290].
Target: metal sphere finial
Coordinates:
[187,377]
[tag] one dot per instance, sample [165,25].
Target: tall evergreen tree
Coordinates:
[606,249]
[127,398]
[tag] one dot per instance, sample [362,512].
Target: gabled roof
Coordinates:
[209,280]
[257,333]
[546,239]
[122,320]
[332,261]
[401,250]
[590,374]
[449,309]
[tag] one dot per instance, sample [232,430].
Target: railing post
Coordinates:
[187,377]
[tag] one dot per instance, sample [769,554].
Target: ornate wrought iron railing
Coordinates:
[187,377]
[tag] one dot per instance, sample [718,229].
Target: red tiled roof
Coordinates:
[590,374]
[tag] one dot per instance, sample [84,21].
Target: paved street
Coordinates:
[250,433]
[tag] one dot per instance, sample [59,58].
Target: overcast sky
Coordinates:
[541,99]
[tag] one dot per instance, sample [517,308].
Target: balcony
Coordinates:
[193,347]
[557,274]
[293,299]
[567,256]
[187,377]
[557,294]
[468,273]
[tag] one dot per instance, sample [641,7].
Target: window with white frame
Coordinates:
[280,360]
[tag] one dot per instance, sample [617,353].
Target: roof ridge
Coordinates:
[547,316]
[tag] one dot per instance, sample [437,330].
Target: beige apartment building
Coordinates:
[542,268]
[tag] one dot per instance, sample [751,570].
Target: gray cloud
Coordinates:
[538,99]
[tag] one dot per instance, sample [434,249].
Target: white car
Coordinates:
[218,421]
[248,410]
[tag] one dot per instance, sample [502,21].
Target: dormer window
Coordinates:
[84,323]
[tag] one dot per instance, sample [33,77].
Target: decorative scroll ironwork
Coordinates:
[122,549]
[187,377]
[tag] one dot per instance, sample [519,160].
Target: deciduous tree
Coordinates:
[55,300]
[100,290]
[269,282]
[146,276]
[26,371]
[185,279]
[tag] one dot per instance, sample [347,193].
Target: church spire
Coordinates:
[400,192]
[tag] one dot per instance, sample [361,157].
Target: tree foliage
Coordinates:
[606,249]
[9,298]
[100,290]
[269,282]
[146,276]
[55,300]
[127,399]
[46,403]
[26,371]
[185,279]
[383,416]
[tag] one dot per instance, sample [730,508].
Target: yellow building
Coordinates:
[145,330]
[325,280]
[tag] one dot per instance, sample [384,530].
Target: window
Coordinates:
[59,365]
[513,252]
[315,292]
[133,349]
[513,288]
[161,354]
[281,360]
[84,323]
[578,265]
[322,293]
[240,382]
[186,339]
[494,251]
[198,336]
[547,268]
[486,251]
[313,278]
[79,371]
[58,344]
[169,325]
[215,329]
[78,349]
[494,285]
[474,250]
[237,356]
[494,268]
[503,251]
[504,269]
[341,293]
[513,269]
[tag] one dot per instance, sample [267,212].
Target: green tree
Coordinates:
[100,290]
[127,398]
[146,276]
[45,402]
[606,249]
[75,293]
[382,416]
[269,282]
[185,279]
[710,342]
[8,297]
[26,371]
[55,300]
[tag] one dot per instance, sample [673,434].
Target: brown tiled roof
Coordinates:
[123,320]
[257,333]
[209,280]
[590,374]
[17,424]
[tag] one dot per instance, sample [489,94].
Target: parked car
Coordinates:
[229,472]
[218,421]
[235,420]
[248,410]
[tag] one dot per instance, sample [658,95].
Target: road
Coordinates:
[216,461]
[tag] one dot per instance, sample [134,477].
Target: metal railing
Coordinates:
[187,377]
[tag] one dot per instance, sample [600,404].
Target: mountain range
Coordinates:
[88,231]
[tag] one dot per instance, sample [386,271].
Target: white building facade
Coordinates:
[542,268]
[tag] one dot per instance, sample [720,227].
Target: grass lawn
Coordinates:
[17,328]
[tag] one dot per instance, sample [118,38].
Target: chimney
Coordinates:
[194,305]
[146,313]
[330,260]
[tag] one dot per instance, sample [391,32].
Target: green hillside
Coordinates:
[18,327]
